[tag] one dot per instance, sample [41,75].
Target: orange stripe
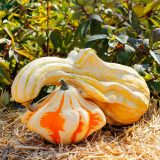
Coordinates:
[79,128]
[54,122]
[41,104]
[94,118]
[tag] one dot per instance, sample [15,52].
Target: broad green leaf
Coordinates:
[124,56]
[108,27]
[4,40]
[134,21]
[56,39]
[155,85]
[129,49]
[97,37]
[4,98]
[82,29]
[95,27]
[89,9]
[141,68]
[156,56]
[135,42]
[84,2]
[156,35]
[122,38]
[96,17]
[112,43]
[108,12]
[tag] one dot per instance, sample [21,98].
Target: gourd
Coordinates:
[118,90]
[65,116]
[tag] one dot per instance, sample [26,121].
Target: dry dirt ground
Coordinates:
[140,141]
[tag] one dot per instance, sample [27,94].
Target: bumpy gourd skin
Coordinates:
[118,90]
[65,117]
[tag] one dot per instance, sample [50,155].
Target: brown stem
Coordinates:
[30,107]
[47,31]
[64,85]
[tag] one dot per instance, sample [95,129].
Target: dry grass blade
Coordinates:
[31,148]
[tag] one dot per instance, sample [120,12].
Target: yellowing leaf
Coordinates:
[125,4]
[23,2]
[138,9]
[13,15]
[148,8]
[25,53]
[10,35]
[75,23]
[2,14]
[154,22]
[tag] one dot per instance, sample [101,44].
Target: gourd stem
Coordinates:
[31,107]
[64,85]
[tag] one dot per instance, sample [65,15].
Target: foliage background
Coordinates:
[125,32]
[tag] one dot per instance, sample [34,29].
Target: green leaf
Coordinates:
[56,39]
[134,21]
[32,5]
[82,29]
[155,35]
[97,37]
[155,86]
[4,73]
[124,56]
[89,9]
[141,68]
[4,40]
[49,89]
[112,43]
[148,77]
[135,42]
[95,27]
[4,98]
[129,49]
[156,56]
[122,38]
[96,17]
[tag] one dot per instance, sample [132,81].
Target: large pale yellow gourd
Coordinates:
[65,117]
[118,90]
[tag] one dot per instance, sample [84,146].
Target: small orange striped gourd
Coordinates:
[65,117]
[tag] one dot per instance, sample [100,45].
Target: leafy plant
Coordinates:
[125,32]
[4,98]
